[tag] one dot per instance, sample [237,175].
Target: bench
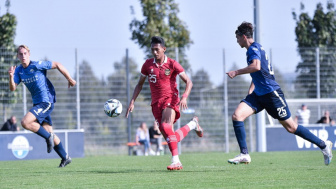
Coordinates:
[132,144]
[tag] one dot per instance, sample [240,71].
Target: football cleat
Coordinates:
[241,158]
[198,129]
[65,162]
[50,142]
[175,166]
[327,152]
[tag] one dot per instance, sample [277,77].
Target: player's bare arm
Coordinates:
[12,84]
[253,67]
[64,71]
[136,92]
[189,84]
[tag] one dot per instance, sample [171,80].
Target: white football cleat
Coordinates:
[175,166]
[241,158]
[198,128]
[327,152]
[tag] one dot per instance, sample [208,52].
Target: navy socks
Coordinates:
[239,130]
[60,150]
[43,133]
[306,134]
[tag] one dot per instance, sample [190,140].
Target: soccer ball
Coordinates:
[113,108]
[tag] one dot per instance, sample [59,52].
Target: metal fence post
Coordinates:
[318,89]
[24,99]
[178,88]
[77,92]
[226,109]
[128,100]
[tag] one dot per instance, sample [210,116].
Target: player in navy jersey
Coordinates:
[264,93]
[34,75]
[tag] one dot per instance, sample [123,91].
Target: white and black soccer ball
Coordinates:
[113,108]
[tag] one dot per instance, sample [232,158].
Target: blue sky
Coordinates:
[100,31]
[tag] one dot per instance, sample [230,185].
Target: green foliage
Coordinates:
[318,31]
[7,97]
[62,93]
[303,169]
[91,92]
[7,29]
[7,57]
[201,83]
[160,19]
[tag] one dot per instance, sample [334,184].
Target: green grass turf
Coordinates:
[304,169]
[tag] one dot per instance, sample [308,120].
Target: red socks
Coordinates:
[172,137]
[182,132]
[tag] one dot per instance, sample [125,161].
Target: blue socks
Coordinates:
[306,134]
[239,130]
[60,150]
[43,133]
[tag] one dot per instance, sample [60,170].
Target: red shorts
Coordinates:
[168,102]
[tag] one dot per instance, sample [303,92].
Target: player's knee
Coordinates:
[25,124]
[236,117]
[166,127]
[289,125]
[291,130]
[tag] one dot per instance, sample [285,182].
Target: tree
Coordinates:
[161,20]
[90,93]
[312,33]
[64,105]
[117,81]
[201,84]
[7,57]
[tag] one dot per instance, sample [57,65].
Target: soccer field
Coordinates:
[200,170]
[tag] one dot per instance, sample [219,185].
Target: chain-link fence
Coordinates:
[82,107]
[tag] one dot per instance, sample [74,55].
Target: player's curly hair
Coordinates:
[246,29]
[158,40]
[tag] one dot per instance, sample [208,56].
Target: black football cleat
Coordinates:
[50,142]
[65,162]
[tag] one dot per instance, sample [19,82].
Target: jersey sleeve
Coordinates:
[144,70]
[254,53]
[17,78]
[44,65]
[178,68]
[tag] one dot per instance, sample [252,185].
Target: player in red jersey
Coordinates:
[161,72]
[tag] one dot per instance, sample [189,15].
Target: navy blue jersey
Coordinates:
[35,78]
[263,79]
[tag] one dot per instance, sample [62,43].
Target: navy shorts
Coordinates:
[274,103]
[42,112]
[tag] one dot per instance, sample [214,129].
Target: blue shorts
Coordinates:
[274,103]
[42,112]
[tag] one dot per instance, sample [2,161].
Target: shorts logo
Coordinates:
[167,71]
[38,111]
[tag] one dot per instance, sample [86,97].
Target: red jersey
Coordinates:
[162,78]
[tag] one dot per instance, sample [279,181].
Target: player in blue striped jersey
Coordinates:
[34,75]
[264,93]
